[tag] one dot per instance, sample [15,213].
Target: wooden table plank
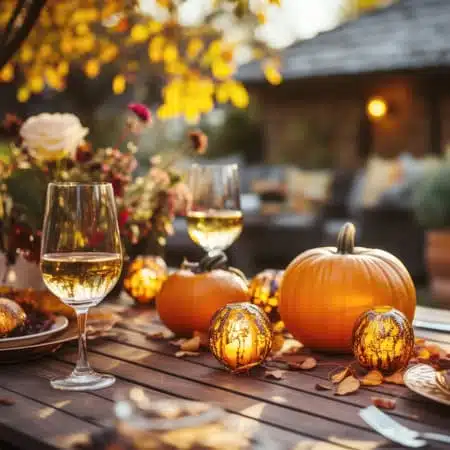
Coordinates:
[103,400]
[409,404]
[304,403]
[30,424]
[135,367]
[32,380]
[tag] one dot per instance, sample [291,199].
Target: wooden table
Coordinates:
[290,411]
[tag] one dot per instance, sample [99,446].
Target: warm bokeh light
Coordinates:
[377,107]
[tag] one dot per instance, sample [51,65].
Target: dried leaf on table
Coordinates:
[308,364]
[181,354]
[191,345]
[324,387]
[339,376]
[7,402]
[290,347]
[419,341]
[178,342]
[277,374]
[395,378]
[204,338]
[436,352]
[372,378]
[348,386]
[160,335]
[423,354]
[383,403]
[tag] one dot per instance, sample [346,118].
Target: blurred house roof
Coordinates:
[410,34]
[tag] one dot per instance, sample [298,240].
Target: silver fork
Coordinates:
[396,432]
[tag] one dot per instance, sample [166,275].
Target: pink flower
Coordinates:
[141,112]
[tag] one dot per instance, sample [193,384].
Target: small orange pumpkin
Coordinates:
[191,296]
[325,290]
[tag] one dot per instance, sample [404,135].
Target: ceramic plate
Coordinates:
[421,379]
[59,325]
[28,352]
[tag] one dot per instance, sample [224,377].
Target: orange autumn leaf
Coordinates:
[436,351]
[419,341]
[308,364]
[348,386]
[191,345]
[339,376]
[372,378]
[204,338]
[423,353]
[290,347]
[383,403]
[395,378]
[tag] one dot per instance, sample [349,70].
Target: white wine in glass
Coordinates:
[214,220]
[81,261]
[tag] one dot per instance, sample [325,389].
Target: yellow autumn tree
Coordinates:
[197,61]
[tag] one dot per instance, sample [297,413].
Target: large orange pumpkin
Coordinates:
[191,296]
[325,290]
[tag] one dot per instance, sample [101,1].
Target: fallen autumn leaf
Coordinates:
[383,403]
[277,374]
[191,345]
[372,378]
[348,386]
[339,376]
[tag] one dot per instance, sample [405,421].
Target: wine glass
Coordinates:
[81,261]
[214,218]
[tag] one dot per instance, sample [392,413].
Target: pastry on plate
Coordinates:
[12,316]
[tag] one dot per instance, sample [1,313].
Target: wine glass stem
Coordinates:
[82,367]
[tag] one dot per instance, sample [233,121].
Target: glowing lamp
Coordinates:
[377,107]
[265,293]
[240,336]
[383,339]
[145,278]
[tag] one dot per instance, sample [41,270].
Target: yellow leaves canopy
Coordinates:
[197,61]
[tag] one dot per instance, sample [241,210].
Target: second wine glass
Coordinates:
[214,219]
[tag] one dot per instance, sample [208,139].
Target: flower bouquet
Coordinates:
[53,147]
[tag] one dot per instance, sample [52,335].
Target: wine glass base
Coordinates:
[89,382]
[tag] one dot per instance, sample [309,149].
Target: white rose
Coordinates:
[53,136]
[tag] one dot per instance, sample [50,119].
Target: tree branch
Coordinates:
[10,25]
[9,48]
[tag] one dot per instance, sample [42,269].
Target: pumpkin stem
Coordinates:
[213,260]
[346,239]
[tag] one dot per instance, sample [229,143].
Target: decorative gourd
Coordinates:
[145,278]
[190,296]
[325,290]
[383,339]
[265,293]
[240,336]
